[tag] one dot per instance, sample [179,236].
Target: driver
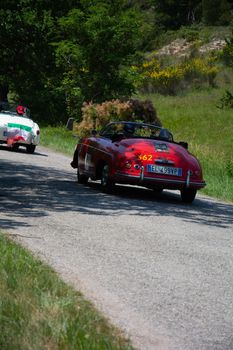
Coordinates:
[21,110]
[129,129]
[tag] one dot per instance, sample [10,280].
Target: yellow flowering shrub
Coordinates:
[203,71]
[166,80]
[170,79]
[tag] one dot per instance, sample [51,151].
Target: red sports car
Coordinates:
[138,154]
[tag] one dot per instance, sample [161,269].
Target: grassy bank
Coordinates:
[209,131]
[59,139]
[38,311]
[194,118]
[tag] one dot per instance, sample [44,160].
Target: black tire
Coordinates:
[188,195]
[15,147]
[30,148]
[82,179]
[107,185]
[157,191]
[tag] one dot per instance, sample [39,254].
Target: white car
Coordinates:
[16,131]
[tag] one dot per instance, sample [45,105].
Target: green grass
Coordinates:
[196,119]
[59,139]
[39,311]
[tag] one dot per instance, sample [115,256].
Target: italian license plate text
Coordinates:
[158,169]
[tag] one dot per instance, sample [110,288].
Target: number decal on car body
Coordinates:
[145,157]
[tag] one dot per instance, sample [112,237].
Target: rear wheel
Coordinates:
[82,179]
[157,191]
[188,195]
[107,185]
[15,147]
[30,148]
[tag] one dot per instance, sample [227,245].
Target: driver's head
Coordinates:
[129,128]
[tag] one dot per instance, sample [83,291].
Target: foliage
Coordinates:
[55,56]
[227,52]
[186,12]
[229,168]
[96,116]
[216,12]
[226,101]
[173,78]
[200,70]
[27,64]
[191,33]
[98,44]
[27,58]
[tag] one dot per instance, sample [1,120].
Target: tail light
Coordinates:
[128,165]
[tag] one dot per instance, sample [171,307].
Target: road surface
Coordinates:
[160,270]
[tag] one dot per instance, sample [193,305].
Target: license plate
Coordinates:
[158,169]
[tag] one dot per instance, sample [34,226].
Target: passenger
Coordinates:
[21,110]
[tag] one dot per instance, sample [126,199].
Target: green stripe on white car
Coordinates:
[19,126]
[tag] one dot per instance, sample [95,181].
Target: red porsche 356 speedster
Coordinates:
[138,154]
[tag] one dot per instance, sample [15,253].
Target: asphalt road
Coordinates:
[159,269]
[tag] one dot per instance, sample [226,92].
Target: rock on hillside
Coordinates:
[183,47]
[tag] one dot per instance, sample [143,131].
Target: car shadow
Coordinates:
[21,150]
[34,191]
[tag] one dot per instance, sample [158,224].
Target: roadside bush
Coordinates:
[96,116]
[226,101]
[169,80]
[201,71]
[190,33]
[227,53]
[143,111]
[155,78]
[166,81]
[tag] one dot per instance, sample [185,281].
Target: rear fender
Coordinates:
[100,165]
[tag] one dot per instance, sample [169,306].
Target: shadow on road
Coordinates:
[34,191]
[21,150]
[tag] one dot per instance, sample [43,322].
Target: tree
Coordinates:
[172,14]
[216,12]
[99,43]
[27,58]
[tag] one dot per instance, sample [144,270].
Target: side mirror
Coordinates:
[184,144]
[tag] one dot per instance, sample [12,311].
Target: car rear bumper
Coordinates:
[158,181]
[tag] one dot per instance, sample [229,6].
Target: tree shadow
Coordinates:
[34,191]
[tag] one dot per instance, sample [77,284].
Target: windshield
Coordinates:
[10,109]
[136,130]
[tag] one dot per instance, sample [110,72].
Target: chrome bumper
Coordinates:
[142,179]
